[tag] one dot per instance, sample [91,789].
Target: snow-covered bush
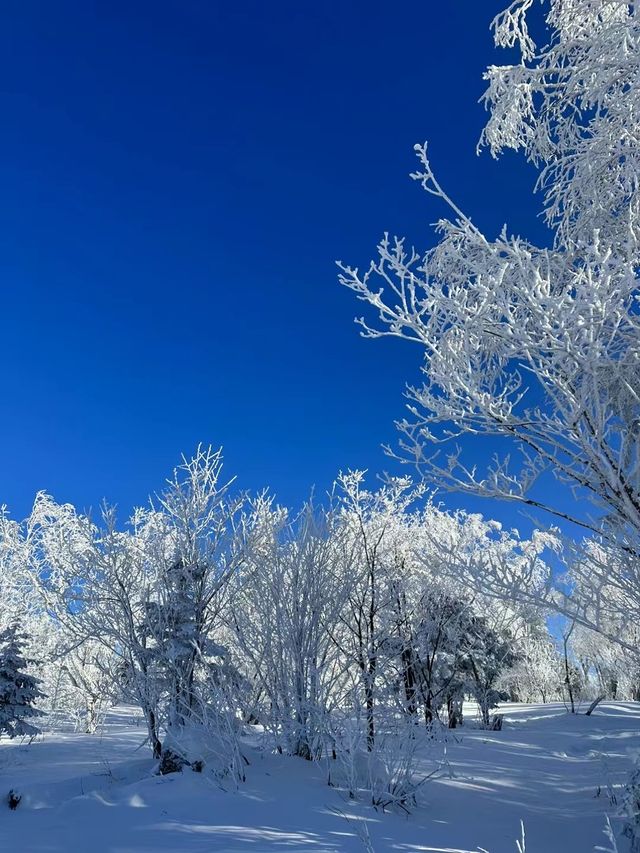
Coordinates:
[631,807]
[396,766]
[389,773]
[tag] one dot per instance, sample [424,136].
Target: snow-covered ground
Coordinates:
[547,768]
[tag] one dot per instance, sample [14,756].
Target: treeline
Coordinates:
[350,622]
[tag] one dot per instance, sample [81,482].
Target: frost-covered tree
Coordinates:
[609,668]
[152,592]
[201,549]
[19,690]
[537,345]
[454,652]
[374,522]
[284,619]
[338,628]
[92,578]
[486,654]
[439,640]
[537,674]
[18,602]
[86,682]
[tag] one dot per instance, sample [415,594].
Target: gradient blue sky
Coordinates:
[177,180]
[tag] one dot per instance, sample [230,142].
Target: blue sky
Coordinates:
[177,181]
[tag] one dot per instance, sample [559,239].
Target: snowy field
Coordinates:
[554,771]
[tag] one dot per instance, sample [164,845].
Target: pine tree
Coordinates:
[19,691]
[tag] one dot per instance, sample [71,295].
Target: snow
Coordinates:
[96,793]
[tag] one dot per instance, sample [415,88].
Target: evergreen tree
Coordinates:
[173,628]
[19,691]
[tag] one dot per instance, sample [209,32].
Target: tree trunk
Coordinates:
[594,705]
[567,677]
[152,726]
[371,728]
[454,712]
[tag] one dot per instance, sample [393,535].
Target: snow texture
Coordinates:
[554,771]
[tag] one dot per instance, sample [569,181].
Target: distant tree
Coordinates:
[19,690]
[455,653]
[538,674]
[486,655]
[88,683]
[440,637]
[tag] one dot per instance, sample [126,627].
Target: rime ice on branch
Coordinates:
[540,346]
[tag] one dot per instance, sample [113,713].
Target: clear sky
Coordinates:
[177,181]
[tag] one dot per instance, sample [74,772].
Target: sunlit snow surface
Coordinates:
[96,793]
